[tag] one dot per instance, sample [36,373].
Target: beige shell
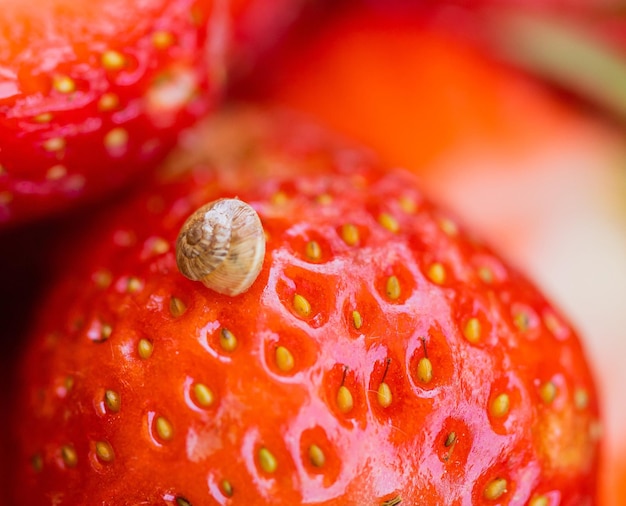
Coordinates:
[222,245]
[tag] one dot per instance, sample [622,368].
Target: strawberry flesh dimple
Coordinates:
[394,360]
[92,93]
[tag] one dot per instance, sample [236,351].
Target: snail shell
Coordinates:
[222,244]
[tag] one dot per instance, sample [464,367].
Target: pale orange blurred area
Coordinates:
[540,177]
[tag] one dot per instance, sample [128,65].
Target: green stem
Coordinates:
[565,54]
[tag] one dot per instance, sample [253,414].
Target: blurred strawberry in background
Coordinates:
[536,168]
[94,93]
[86,87]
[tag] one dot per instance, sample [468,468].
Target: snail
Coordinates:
[222,245]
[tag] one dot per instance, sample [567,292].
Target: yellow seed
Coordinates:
[145,348]
[177,307]
[228,341]
[267,461]
[164,428]
[316,456]
[68,454]
[448,227]
[324,199]
[393,288]
[486,274]
[68,383]
[581,398]
[113,60]
[384,395]
[116,138]
[284,359]
[313,250]
[394,501]
[472,330]
[203,394]
[345,402]
[104,451]
[112,401]
[408,205]
[389,222]
[554,325]
[450,439]
[63,84]
[495,489]
[301,306]
[45,117]
[54,144]
[522,321]
[437,273]
[539,500]
[37,462]
[108,102]
[162,39]
[279,198]
[56,172]
[357,320]
[500,405]
[159,246]
[548,392]
[181,501]
[350,234]
[133,285]
[102,278]
[105,331]
[425,370]
[227,488]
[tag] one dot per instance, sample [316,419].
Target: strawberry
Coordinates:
[382,356]
[499,140]
[93,93]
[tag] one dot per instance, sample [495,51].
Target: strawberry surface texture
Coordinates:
[94,93]
[383,356]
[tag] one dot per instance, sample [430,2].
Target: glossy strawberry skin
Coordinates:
[94,93]
[113,403]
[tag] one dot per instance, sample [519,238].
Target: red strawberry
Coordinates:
[383,356]
[91,93]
